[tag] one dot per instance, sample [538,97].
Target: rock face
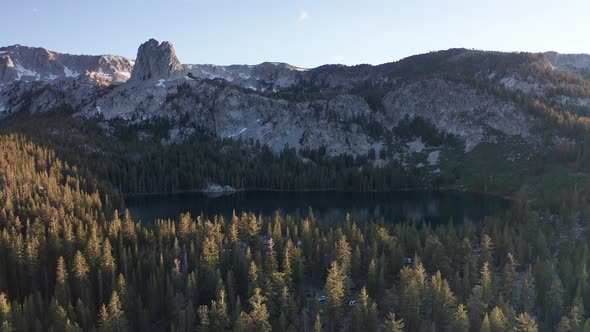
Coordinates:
[156,61]
[334,108]
[572,63]
[26,64]
[267,76]
[459,110]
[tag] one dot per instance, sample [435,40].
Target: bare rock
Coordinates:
[156,61]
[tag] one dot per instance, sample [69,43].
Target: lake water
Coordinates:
[432,206]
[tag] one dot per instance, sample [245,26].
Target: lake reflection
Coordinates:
[431,206]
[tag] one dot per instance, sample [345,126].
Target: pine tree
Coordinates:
[62,287]
[184,227]
[116,314]
[413,285]
[80,268]
[498,321]
[442,301]
[364,314]
[487,249]
[460,320]
[574,320]
[103,320]
[525,323]
[392,324]
[564,325]
[486,283]
[254,225]
[253,281]
[218,315]
[528,295]
[553,307]
[203,313]
[58,316]
[508,281]
[335,288]
[6,319]
[343,256]
[258,318]
[372,276]
[485,324]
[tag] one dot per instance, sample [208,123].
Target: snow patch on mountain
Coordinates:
[239,133]
[71,73]
[24,72]
[124,74]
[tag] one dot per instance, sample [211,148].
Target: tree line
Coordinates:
[71,262]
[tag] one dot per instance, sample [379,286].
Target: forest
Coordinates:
[71,260]
[136,166]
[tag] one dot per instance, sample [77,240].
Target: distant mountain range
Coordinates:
[474,96]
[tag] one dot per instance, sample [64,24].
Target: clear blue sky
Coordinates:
[305,33]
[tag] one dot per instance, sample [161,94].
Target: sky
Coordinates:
[305,33]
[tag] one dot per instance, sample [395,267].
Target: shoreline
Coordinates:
[223,193]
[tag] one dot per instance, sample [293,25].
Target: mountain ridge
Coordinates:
[475,96]
[570,62]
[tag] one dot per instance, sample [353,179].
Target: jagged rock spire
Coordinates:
[156,60]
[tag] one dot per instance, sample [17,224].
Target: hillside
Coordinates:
[432,117]
[70,262]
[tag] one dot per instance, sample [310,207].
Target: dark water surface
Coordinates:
[432,206]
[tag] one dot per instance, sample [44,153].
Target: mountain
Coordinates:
[21,63]
[422,111]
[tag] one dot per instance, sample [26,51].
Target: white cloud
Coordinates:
[302,16]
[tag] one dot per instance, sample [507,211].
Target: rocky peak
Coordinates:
[22,63]
[156,60]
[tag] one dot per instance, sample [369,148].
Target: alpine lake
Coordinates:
[420,206]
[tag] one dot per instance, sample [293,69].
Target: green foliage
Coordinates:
[134,165]
[70,261]
[411,128]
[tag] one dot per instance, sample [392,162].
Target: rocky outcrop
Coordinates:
[337,109]
[458,109]
[156,61]
[215,188]
[572,63]
[265,77]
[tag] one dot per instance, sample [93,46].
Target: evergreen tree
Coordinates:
[335,290]
[485,324]
[392,324]
[218,316]
[525,323]
[5,314]
[116,315]
[104,321]
[498,321]
[62,287]
[460,320]
[258,318]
